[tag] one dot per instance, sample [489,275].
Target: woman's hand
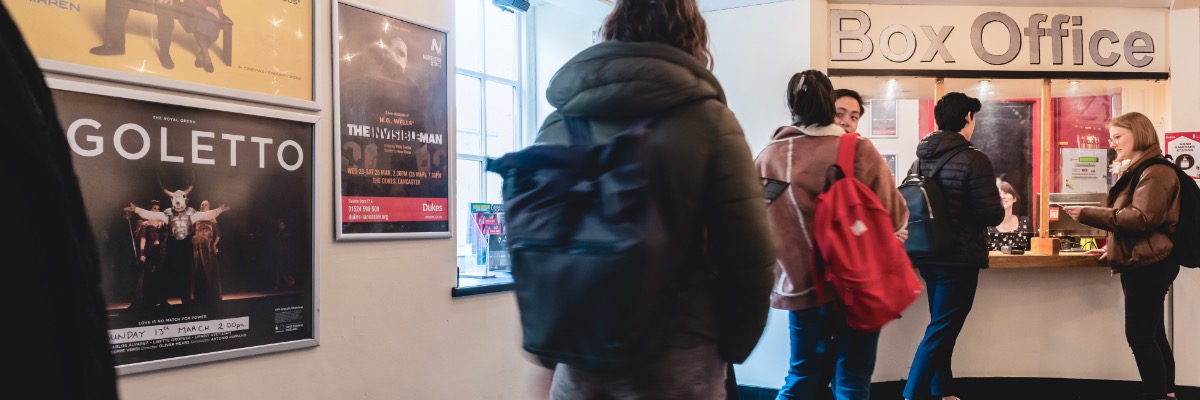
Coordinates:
[1073,211]
[1100,252]
[902,235]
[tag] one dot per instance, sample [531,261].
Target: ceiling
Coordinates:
[713,5]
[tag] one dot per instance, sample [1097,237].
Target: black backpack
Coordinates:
[1186,238]
[929,230]
[586,242]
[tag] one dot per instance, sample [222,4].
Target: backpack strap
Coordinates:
[579,131]
[846,150]
[1136,175]
[945,159]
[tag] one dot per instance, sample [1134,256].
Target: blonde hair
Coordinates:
[1144,135]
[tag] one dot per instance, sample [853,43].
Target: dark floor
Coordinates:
[1009,389]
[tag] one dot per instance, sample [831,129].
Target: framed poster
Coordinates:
[392,137]
[883,118]
[890,159]
[203,217]
[260,51]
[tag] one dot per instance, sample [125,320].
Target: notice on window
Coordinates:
[1182,149]
[1084,170]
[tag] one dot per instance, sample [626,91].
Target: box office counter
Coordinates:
[1000,260]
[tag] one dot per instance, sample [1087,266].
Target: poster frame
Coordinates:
[105,74]
[875,105]
[895,165]
[335,49]
[206,104]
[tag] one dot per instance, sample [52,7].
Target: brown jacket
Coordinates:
[1140,221]
[810,151]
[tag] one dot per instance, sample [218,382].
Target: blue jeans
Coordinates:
[826,351]
[951,292]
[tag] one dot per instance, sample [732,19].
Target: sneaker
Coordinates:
[107,50]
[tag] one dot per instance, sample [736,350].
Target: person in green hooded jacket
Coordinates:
[654,61]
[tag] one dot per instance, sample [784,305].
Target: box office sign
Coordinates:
[997,38]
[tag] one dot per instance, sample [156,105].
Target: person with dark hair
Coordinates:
[654,63]
[849,105]
[1014,231]
[1139,219]
[973,203]
[824,347]
[54,253]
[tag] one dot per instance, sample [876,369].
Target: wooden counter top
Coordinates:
[1062,260]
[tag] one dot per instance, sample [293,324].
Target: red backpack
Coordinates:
[857,249]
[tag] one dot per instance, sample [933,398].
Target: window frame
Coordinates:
[524,129]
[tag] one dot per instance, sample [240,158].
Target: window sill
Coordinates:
[494,282]
[481,289]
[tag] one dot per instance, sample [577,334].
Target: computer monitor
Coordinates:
[1062,224]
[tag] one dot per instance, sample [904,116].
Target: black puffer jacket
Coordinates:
[969,185]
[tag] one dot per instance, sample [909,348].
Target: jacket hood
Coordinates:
[790,131]
[938,143]
[617,79]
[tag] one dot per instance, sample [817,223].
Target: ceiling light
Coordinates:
[985,81]
[1074,82]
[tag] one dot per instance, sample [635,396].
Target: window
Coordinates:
[491,108]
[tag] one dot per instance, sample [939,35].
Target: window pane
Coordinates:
[470,190]
[469,104]
[494,187]
[468,23]
[501,43]
[500,122]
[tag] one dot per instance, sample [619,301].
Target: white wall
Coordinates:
[756,50]
[388,326]
[1185,95]
[560,34]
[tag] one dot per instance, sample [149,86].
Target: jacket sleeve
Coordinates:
[984,195]
[1146,212]
[738,242]
[871,170]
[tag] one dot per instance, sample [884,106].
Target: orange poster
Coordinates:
[252,50]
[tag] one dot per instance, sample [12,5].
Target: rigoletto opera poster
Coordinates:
[392,130]
[252,50]
[204,224]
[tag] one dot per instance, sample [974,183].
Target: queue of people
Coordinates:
[655,60]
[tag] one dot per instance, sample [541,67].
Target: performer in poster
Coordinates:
[1015,230]
[281,257]
[382,87]
[116,15]
[204,22]
[177,261]
[205,275]
[149,291]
